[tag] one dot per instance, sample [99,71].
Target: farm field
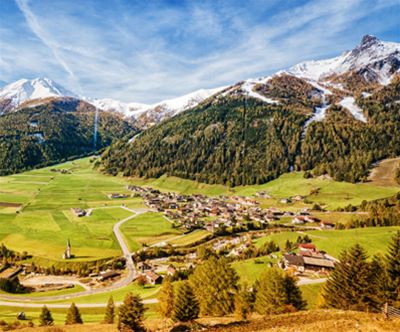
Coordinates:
[45,223]
[373,239]
[190,238]
[148,229]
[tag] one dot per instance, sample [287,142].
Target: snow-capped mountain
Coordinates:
[158,111]
[376,60]
[17,93]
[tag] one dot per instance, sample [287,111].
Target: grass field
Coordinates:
[45,221]
[383,173]
[148,228]
[373,239]
[190,238]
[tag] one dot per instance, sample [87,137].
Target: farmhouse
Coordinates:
[153,278]
[78,212]
[326,225]
[116,195]
[298,220]
[104,275]
[304,263]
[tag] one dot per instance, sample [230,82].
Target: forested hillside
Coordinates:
[222,141]
[52,132]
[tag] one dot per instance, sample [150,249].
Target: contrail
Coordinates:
[40,33]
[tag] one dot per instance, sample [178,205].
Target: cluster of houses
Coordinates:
[308,259]
[199,211]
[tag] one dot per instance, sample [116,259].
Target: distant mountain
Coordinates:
[21,91]
[334,116]
[38,91]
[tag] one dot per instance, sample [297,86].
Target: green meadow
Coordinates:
[373,239]
[148,229]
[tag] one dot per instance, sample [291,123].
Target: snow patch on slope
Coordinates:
[350,104]
[248,87]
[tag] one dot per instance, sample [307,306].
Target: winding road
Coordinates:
[31,302]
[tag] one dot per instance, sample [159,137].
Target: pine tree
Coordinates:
[45,318]
[73,315]
[277,292]
[186,306]
[131,314]
[351,285]
[215,284]
[110,311]
[166,299]
[393,270]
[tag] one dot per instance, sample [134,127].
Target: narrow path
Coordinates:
[125,281]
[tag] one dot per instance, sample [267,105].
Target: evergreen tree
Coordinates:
[73,315]
[131,314]
[243,303]
[215,284]
[45,318]
[393,270]
[277,292]
[166,298]
[186,306]
[110,311]
[352,284]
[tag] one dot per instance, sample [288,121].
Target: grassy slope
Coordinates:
[148,228]
[383,174]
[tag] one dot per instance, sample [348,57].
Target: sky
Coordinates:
[147,51]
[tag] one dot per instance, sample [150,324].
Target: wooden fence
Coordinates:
[390,312]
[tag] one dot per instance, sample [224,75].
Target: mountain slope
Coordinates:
[259,128]
[52,132]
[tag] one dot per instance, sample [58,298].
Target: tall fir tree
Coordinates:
[73,315]
[277,292]
[215,284]
[351,285]
[45,318]
[186,306]
[166,299]
[393,270]
[131,314]
[109,315]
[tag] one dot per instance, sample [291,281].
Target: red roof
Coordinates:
[307,246]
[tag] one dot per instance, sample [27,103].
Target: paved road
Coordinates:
[125,281]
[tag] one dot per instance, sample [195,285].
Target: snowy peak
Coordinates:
[24,90]
[374,59]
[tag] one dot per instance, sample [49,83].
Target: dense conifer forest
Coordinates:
[235,141]
[53,132]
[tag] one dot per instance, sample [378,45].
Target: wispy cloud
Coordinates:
[148,51]
[42,35]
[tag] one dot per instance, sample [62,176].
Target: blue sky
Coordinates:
[146,51]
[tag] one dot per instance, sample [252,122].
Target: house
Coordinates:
[78,212]
[143,266]
[307,247]
[311,219]
[293,261]
[171,270]
[104,275]
[116,195]
[298,220]
[298,198]
[326,225]
[284,200]
[153,278]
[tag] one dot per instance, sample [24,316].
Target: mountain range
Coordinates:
[334,116]
[317,115]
